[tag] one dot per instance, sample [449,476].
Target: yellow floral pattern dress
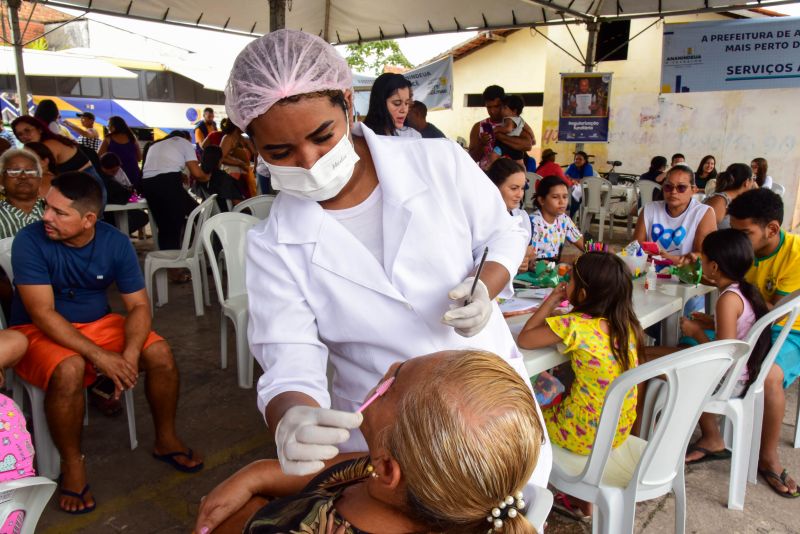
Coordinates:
[572,424]
[313,510]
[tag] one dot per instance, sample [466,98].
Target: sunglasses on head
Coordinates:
[669,188]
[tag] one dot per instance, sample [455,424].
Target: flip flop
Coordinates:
[767,474]
[708,456]
[80,496]
[170,459]
[563,506]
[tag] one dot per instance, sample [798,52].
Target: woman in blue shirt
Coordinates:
[581,167]
[577,171]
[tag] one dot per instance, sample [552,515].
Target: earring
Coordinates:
[371,471]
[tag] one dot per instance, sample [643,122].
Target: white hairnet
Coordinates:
[278,65]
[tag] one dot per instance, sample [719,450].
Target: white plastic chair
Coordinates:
[29,495]
[5,265]
[645,190]
[258,206]
[540,501]
[231,230]
[533,179]
[638,470]
[744,415]
[778,189]
[190,256]
[596,194]
[48,458]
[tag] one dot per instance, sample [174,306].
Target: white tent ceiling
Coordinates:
[347,21]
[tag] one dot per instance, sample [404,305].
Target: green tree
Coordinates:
[372,57]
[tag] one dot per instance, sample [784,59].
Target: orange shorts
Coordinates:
[44,354]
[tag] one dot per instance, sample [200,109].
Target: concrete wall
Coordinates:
[734,126]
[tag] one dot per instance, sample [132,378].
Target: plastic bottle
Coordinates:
[651,277]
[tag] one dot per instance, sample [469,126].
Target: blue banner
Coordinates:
[731,55]
[583,116]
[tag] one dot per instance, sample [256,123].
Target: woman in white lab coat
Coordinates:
[368,253]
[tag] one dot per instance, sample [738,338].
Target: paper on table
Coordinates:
[518,306]
[540,293]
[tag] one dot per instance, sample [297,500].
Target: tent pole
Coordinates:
[277,15]
[16,38]
[591,48]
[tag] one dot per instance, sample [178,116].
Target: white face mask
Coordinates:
[324,180]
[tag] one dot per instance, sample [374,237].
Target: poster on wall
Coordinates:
[731,55]
[584,107]
[432,84]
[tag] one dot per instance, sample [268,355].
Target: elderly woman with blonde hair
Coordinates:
[452,442]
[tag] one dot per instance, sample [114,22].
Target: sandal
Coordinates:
[708,456]
[563,505]
[771,476]
[182,277]
[170,458]
[80,496]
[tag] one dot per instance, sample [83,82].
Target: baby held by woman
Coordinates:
[452,442]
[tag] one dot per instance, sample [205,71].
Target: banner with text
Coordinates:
[731,55]
[433,83]
[584,107]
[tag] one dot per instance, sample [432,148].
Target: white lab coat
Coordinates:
[315,291]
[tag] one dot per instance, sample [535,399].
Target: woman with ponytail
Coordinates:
[454,435]
[727,256]
[736,179]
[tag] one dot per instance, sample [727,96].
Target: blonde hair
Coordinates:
[465,440]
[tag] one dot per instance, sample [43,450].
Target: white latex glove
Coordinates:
[305,436]
[469,319]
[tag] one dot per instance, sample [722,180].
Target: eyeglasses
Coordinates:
[16,173]
[669,188]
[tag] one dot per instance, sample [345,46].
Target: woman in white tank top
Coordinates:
[679,223]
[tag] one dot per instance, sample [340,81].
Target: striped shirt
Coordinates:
[13,219]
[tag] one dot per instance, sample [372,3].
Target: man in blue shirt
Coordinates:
[63,266]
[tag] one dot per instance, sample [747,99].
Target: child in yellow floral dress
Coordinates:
[602,337]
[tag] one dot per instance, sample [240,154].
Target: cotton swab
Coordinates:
[383,388]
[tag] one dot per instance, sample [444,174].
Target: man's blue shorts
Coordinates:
[788,358]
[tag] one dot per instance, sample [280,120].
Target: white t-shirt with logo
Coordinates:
[674,234]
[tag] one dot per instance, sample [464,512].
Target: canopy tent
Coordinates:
[348,21]
[41,63]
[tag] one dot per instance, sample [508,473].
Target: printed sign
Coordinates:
[731,55]
[433,84]
[584,107]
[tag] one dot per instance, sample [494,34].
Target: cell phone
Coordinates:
[487,128]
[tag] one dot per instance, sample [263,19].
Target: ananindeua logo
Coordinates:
[689,58]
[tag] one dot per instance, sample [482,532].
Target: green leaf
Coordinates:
[372,57]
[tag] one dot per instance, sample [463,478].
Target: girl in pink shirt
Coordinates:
[727,256]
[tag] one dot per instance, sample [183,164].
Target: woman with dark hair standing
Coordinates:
[760,167]
[69,156]
[736,179]
[389,102]
[123,142]
[47,112]
[706,171]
